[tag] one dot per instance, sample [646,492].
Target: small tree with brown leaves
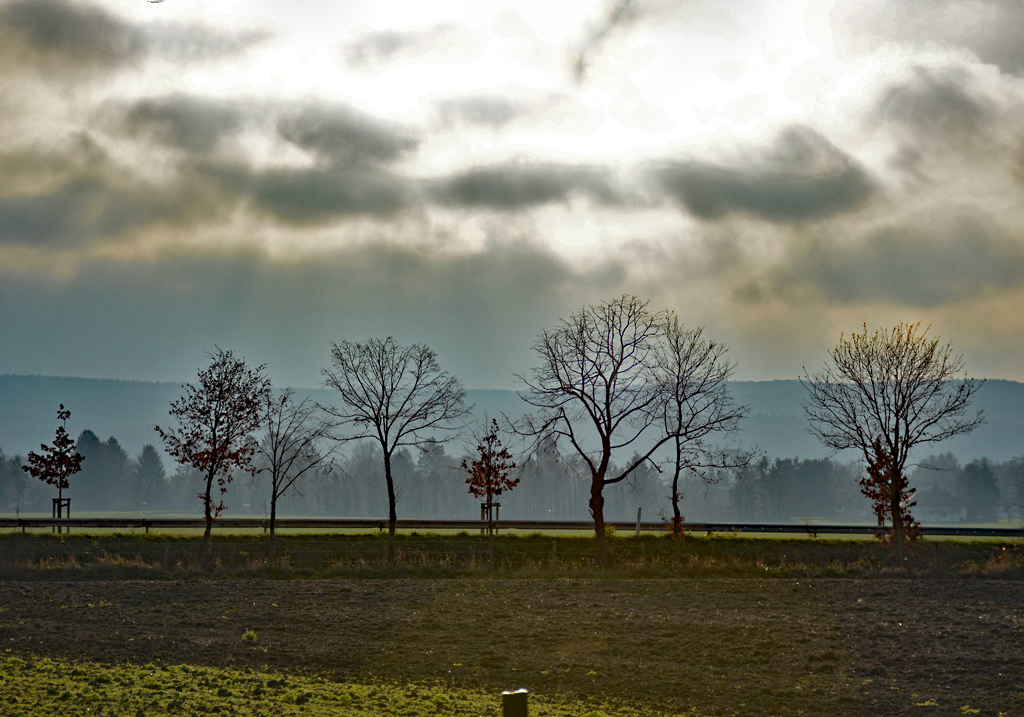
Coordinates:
[57,463]
[489,472]
[216,419]
[891,496]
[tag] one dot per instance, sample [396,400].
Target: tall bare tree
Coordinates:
[216,419]
[597,388]
[695,405]
[884,394]
[292,445]
[395,395]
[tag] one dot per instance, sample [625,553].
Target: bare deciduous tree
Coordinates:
[292,445]
[596,387]
[216,419]
[695,405]
[395,395]
[896,387]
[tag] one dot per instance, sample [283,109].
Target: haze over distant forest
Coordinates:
[128,410]
[795,480]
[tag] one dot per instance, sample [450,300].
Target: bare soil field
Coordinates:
[723,646]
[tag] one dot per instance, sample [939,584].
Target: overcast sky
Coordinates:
[272,175]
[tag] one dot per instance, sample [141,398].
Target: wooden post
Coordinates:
[639,508]
[514,704]
[59,505]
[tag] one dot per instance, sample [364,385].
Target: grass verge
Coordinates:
[76,557]
[37,686]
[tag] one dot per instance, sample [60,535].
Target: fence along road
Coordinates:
[343,524]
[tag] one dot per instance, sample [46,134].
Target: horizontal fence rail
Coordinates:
[341,524]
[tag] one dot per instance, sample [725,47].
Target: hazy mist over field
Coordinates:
[270,176]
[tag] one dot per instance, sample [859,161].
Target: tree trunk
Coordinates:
[208,514]
[392,513]
[273,514]
[490,512]
[898,529]
[597,511]
[677,517]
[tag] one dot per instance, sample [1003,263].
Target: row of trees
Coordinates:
[431,484]
[612,377]
[613,382]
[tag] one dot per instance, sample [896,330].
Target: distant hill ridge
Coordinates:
[128,410]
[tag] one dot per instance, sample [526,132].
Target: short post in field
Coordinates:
[513,703]
[639,509]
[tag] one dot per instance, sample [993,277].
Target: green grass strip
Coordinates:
[31,686]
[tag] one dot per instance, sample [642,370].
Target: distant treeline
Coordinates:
[553,486]
[129,409]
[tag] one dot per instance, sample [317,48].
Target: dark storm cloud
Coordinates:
[803,177]
[381,47]
[482,110]
[148,319]
[96,197]
[989,28]
[76,35]
[301,196]
[190,122]
[72,192]
[312,195]
[75,31]
[344,136]
[950,120]
[938,261]
[936,101]
[93,206]
[519,186]
[196,42]
[58,217]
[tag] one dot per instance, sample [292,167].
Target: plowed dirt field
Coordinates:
[724,646]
